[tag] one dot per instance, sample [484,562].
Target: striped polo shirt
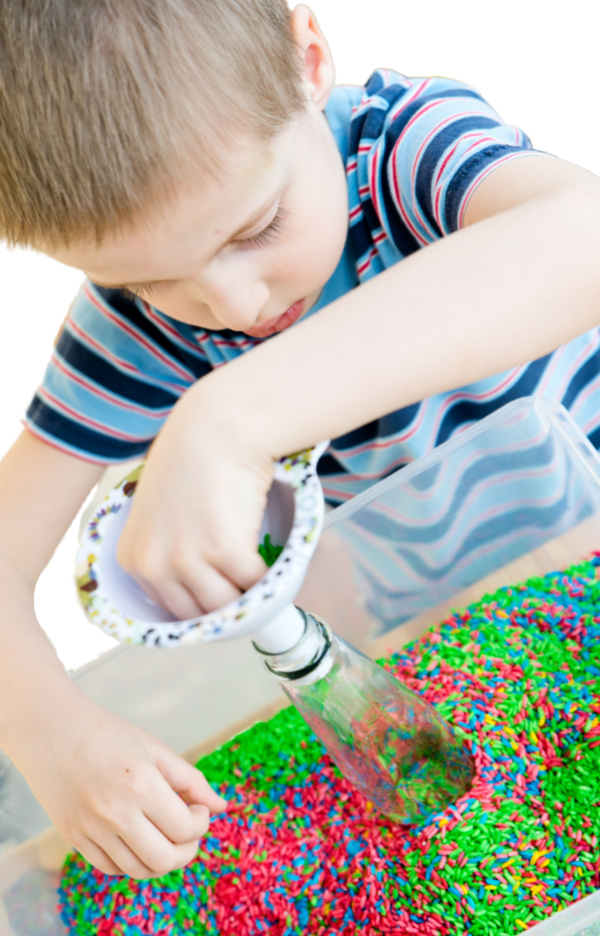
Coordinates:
[414,151]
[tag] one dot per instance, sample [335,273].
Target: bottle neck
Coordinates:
[309,659]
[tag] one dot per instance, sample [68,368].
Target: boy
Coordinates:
[179,151]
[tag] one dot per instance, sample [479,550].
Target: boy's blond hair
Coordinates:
[105,104]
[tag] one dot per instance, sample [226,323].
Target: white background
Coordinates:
[535,62]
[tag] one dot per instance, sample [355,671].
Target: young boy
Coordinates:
[195,160]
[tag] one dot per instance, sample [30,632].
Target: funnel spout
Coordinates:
[282,632]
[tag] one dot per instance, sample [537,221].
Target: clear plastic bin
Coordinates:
[517,494]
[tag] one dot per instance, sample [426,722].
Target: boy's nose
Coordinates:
[237,304]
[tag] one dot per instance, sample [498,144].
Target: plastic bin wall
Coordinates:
[517,494]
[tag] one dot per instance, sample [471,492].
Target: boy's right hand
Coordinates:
[191,538]
[125,801]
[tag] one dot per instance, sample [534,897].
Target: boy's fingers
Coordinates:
[144,851]
[177,821]
[208,588]
[190,783]
[215,580]
[188,593]
[177,599]
[202,817]
[98,858]
[246,568]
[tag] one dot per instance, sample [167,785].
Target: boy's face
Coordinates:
[251,252]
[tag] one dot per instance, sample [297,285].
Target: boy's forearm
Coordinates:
[41,490]
[495,295]
[33,681]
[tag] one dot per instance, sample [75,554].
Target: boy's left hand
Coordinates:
[192,536]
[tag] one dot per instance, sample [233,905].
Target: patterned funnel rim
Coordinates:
[295,474]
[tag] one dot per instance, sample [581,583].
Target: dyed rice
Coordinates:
[269,551]
[301,852]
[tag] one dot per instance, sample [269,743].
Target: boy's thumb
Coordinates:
[191,784]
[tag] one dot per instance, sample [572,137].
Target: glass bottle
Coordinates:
[386,740]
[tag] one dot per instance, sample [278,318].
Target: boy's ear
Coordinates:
[318,70]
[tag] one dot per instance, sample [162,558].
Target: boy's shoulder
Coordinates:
[360,115]
[385,87]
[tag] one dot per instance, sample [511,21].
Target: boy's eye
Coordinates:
[267,234]
[143,290]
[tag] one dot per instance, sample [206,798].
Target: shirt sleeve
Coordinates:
[117,369]
[422,147]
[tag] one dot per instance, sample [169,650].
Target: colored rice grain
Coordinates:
[301,852]
[269,551]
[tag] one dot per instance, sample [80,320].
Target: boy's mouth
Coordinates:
[279,323]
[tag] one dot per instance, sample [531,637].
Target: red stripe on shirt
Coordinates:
[139,337]
[53,400]
[70,374]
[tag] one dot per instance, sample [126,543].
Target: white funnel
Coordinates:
[115,602]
